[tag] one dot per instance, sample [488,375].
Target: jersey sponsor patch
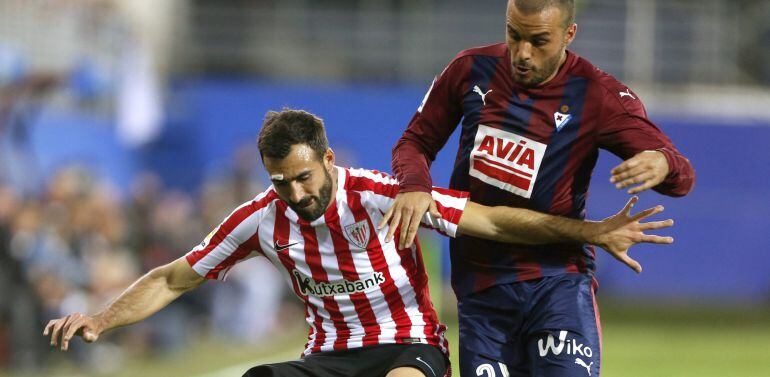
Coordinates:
[307,286]
[506,160]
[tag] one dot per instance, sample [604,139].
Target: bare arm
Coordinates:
[615,234]
[143,298]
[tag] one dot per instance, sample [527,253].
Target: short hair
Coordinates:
[536,6]
[283,129]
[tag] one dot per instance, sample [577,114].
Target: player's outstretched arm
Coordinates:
[150,293]
[615,234]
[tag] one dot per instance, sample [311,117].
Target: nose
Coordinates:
[297,192]
[523,52]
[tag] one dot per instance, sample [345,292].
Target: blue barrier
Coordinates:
[721,232]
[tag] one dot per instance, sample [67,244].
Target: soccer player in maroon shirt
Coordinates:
[533,117]
[366,300]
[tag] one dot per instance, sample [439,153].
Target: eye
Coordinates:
[540,42]
[303,177]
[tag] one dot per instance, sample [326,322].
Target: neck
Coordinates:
[333,198]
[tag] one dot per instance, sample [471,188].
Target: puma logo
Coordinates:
[627,93]
[483,95]
[582,363]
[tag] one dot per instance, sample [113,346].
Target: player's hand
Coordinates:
[617,233]
[65,328]
[646,170]
[406,212]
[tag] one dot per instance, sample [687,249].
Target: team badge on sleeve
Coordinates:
[358,233]
[506,160]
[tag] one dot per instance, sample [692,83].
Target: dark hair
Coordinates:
[536,6]
[283,129]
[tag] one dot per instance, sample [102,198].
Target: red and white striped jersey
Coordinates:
[358,289]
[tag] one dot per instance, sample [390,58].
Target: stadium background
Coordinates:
[127,132]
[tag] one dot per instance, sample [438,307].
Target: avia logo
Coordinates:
[582,363]
[483,95]
[307,286]
[627,93]
[506,160]
[568,346]
[279,247]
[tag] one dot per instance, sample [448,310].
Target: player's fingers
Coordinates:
[647,213]
[48,327]
[72,328]
[651,238]
[433,209]
[55,331]
[648,184]
[652,225]
[626,165]
[628,261]
[629,205]
[395,221]
[414,225]
[406,221]
[386,217]
[627,173]
[641,177]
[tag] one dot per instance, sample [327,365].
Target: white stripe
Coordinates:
[386,179]
[364,266]
[229,244]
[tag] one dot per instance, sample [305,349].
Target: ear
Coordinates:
[570,34]
[328,159]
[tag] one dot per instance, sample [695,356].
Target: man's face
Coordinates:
[537,43]
[303,180]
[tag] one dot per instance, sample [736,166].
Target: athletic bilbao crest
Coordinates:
[506,160]
[358,233]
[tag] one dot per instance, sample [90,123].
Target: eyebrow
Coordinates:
[285,180]
[538,35]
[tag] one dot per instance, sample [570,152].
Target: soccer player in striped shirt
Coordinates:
[366,300]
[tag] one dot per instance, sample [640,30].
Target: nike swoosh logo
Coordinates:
[426,364]
[283,247]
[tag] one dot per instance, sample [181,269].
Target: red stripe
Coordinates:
[418,280]
[227,226]
[241,252]
[502,176]
[281,234]
[450,214]
[355,183]
[377,257]
[363,307]
[507,168]
[313,259]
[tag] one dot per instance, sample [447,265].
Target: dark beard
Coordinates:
[321,202]
[540,74]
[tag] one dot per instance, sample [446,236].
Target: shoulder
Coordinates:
[497,50]
[618,97]
[463,58]
[259,204]
[358,180]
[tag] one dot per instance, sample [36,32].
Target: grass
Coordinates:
[671,341]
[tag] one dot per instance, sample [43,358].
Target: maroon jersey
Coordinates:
[527,147]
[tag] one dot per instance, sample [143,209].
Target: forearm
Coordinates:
[518,225]
[151,293]
[411,165]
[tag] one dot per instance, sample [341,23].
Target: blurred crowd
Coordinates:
[81,241]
